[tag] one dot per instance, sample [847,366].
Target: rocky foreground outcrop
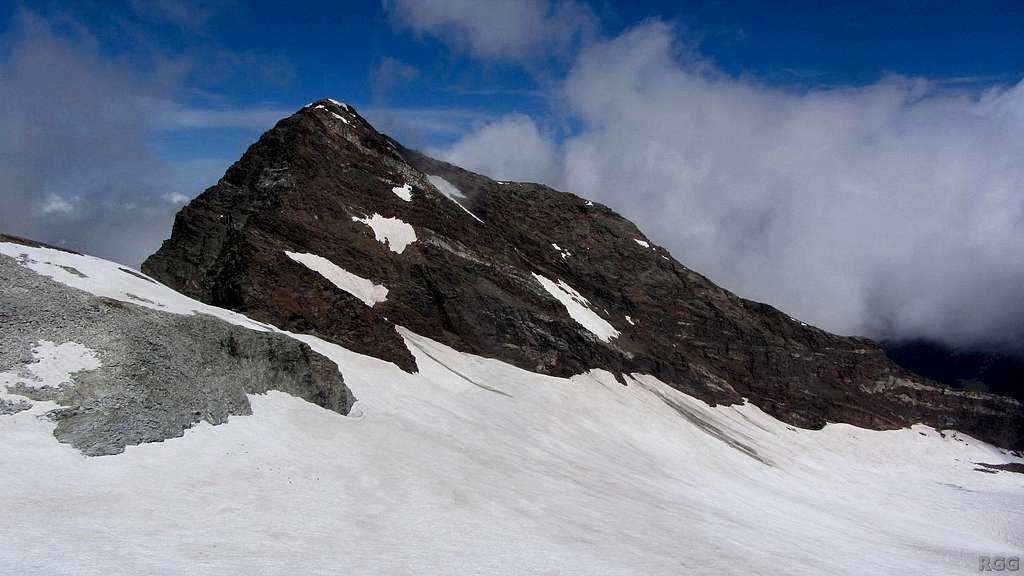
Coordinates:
[326,227]
[150,374]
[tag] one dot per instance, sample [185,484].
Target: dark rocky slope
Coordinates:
[471,283]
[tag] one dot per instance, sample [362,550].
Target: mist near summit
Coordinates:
[894,210]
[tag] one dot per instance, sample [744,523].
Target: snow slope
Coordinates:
[472,466]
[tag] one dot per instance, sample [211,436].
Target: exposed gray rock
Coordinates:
[161,373]
[8,407]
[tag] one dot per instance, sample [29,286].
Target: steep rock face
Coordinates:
[539,278]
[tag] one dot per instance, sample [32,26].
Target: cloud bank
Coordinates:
[894,210]
[76,170]
[78,167]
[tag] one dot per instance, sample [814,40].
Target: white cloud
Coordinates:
[511,147]
[56,204]
[176,198]
[512,30]
[895,209]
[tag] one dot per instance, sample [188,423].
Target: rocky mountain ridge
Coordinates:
[327,227]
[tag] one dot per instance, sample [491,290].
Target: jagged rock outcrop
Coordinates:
[539,278]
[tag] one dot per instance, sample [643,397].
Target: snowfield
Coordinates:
[472,466]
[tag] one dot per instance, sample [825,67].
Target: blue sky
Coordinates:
[277,56]
[856,164]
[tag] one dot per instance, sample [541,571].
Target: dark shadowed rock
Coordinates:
[985,370]
[470,280]
[1009,467]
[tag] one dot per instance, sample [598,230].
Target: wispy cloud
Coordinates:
[170,115]
[388,74]
[193,14]
[497,91]
[511,31]
[420,126]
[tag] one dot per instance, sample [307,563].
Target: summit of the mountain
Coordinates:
[329,228]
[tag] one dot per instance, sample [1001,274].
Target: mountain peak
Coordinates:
[327,227]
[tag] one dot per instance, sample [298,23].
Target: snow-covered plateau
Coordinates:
[473,466]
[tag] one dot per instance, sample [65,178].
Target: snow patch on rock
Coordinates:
[564,253]
[579,308]
[333,113]
[341,104]
[643,243]
[392,232]
[404,192]
[357,286]
[54,364]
